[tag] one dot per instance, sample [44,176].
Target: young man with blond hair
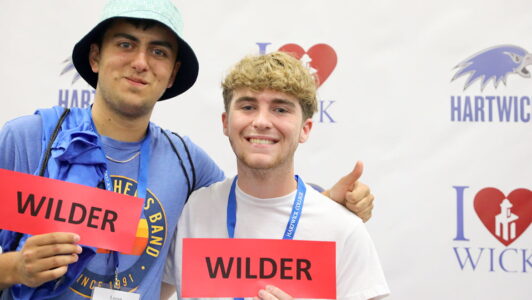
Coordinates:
[269,102]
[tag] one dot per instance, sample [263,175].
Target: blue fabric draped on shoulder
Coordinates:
[76,156]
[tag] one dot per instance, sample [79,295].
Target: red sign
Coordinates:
[37,205]
[241,267]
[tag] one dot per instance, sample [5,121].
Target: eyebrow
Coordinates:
[277,101]
[284,102]
[245,99]
[135,39]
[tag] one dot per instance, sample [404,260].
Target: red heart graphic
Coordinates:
[321,57]
[505,217]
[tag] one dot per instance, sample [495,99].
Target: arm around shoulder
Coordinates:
[353,194]
[206,170]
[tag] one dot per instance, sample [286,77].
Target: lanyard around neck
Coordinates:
[142,181]
[292,221]
[144,157]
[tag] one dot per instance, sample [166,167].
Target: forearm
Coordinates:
[7,269]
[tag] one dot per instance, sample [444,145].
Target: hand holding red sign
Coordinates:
[37,205]
[242,267]
[271,292]
[44,258]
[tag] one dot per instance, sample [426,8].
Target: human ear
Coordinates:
[174,73]
[225,117]
[94,57]
[305,130]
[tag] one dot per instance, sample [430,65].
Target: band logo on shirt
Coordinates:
[151,234]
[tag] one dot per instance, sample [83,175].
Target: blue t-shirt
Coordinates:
[20,150]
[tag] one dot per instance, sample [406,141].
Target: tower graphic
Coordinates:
[505,221]
[306,60]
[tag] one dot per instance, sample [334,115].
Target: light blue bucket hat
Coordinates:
[162,11]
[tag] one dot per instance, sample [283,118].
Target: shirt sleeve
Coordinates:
[8,148]
[360,275]
[20,144]
[206,170]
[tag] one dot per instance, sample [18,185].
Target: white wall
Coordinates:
[391,91]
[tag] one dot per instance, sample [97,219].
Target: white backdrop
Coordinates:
[387,102]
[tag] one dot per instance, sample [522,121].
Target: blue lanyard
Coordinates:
[292,221]
[142,182]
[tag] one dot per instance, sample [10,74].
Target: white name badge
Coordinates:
[107,294]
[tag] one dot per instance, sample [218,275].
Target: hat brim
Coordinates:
[185,77]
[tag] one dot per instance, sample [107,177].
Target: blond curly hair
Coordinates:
[278,71]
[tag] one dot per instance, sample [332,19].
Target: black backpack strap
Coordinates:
[190,184]
[48,150]
[189,161]
[45,160]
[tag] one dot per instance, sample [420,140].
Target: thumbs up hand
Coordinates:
[353,194]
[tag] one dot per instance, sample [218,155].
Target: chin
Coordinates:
[136,110]
[261,164]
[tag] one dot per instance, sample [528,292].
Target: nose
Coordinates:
[262,119]
[139,63]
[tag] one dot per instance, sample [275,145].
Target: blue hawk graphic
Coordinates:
[494,63]
[69,67]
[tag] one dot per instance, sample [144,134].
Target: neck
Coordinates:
[119,127]
[268,183]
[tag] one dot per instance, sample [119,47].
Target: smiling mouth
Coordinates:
[136,81]
[261,141]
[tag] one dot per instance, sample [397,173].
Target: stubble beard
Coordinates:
[122,107]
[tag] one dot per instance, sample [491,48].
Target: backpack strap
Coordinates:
[189,161]
[191,185]
[48,150]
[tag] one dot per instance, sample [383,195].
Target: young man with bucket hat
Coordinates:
[133,58]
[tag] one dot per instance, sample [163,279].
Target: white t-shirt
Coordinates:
[358,271]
